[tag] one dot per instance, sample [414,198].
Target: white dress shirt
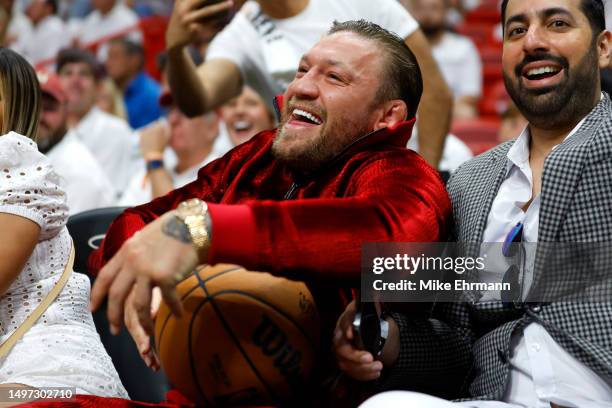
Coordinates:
[81,177]
[113,144]
[541,371]
[139,190]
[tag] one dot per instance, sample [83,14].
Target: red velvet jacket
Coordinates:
[307,227]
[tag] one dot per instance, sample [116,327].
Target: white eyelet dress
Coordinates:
[62,349]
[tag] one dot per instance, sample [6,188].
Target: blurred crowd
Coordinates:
[113,129]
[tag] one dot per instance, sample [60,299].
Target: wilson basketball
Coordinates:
[245,337]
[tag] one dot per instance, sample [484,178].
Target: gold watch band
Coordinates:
[193,213]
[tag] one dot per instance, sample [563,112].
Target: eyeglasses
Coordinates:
[509,249]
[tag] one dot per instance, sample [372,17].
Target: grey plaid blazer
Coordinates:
[462,350]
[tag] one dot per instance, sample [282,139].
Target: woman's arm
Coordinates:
[18,237]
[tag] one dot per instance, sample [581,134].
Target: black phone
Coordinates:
[366,327]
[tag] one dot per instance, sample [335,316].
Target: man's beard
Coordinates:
[561,104]
[45,144]
[432,30]
[334,136]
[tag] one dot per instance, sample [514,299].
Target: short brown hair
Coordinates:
[76,55]
[402,75]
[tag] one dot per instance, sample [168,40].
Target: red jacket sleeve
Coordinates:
[322,238]
[387,201]
[210,180]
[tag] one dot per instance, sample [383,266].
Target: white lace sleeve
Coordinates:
[29,187]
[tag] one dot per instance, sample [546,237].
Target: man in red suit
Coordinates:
[298,201]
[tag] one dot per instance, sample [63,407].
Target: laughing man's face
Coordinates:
[330,102]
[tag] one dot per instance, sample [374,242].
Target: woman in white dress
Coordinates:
[62,349]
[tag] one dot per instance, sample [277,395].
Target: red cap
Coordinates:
[51,85]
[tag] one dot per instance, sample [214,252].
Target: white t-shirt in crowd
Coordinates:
[81,177]
[19,26]
[113,143]
[454,154]
[96,27]
[138,192]
[460,64]
[267,51]
[44,40]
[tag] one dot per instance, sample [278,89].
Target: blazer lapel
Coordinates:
[563,169]
[488,181]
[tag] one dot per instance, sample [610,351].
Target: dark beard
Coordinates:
[49,142]
[332,141]
[432,31]
[560,105]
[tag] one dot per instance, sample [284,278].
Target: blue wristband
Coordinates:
[154,164]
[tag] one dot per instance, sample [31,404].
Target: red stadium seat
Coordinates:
[480,33]
[479,134]
[491,54]
[494,99]
[483,14]
[491,63]
[153,30]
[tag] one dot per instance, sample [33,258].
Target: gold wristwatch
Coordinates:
[193,213]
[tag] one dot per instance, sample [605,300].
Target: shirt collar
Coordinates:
[136,82]
[87,120]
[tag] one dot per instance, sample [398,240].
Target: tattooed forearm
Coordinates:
[174,227]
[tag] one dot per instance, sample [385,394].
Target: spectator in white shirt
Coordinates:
[173,149]
[109,19]
[191,140]
[109,138]
[455,152]
[48,35]
[81,177]
[14,23]
[455,54]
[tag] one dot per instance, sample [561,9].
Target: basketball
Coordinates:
[244,337]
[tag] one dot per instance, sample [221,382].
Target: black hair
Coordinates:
[592,9]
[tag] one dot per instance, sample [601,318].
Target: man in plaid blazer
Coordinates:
[550,185]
